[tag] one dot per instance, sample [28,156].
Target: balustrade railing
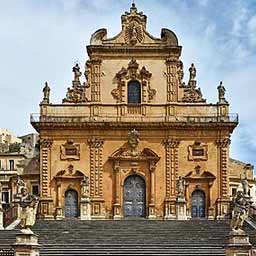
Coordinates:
[61,118]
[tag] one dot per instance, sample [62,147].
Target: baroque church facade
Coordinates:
[134,140]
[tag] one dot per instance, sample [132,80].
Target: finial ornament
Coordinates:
[46,92]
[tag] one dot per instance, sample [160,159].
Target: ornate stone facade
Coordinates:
[132,131]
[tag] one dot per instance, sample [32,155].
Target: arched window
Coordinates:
[134,92]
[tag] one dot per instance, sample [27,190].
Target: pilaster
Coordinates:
[171,174]
[96,178]
[223,201]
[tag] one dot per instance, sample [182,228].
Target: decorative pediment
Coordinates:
[134,32]
[77,93]
[197,173]
[70,172]
[192,93]
[132,72]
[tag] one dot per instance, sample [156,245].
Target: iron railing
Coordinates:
[230,118]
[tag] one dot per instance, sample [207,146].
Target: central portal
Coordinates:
[134,197]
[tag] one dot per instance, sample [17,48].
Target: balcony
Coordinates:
[37,118]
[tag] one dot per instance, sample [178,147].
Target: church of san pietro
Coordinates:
[134,140]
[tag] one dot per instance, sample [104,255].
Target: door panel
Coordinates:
[71,203]
[198,204]
[134,197]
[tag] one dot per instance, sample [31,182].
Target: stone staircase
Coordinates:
[129,237]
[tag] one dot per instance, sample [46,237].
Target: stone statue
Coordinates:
[28,204]
[46,92]
[240,211]
[192,72]
[20,184]
[221,93]
[77,73]
[85,192]
[180,187]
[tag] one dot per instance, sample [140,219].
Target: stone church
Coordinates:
[134,139]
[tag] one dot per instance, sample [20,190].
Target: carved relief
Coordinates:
[132,72]
[134,33]
[192,94]
[70,172]
[197,152]
[70,151]
[76,94]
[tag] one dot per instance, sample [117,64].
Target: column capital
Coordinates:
[171,142]
[223,142]
[45,143]
[95,142]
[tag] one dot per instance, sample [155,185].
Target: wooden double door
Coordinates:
[134,197]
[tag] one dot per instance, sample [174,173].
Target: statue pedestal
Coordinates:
[117,212]
[59,213]
[85,209]
[181,211]
[170,209]
[223,205]
[151,209]
[26,244]
[238,244]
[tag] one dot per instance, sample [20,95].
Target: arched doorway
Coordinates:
[134,197]
[198,204]
[71,203]
[134,92]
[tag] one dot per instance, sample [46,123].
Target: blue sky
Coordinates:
[42,39]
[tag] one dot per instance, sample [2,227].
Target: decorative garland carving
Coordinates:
[133,73]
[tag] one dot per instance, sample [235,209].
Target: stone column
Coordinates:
[152,168]
[223,201]
[46,200]
[117,204]
[26,244]
[171,173]
[96,178]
